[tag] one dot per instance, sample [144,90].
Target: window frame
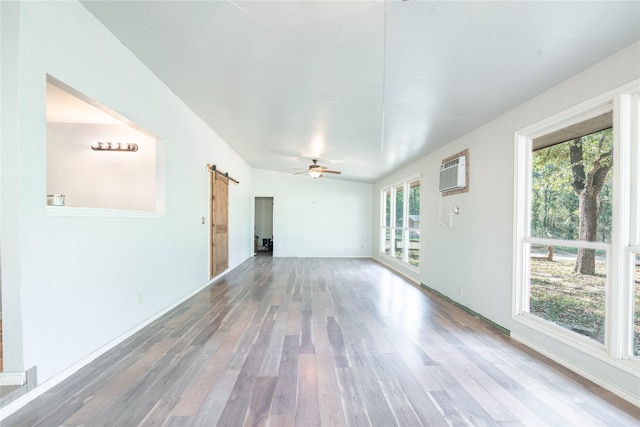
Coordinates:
[393,228]
[618,343]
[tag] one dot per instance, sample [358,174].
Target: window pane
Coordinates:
[571,189]
[387,208]
[414,248]
[399,244]
[636,306]
[414,204]
[387,241]
[568,299]
[399,206]
[414,223]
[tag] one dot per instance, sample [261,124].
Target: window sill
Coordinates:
[101,213]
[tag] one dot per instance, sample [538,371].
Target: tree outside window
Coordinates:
[571,201]
[577,234]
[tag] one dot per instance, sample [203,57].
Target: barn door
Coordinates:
[219,224]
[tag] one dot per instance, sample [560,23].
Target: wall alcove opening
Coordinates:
[95,157]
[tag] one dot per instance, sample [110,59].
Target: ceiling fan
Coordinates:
[316,171]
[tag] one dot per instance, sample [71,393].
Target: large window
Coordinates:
[578,231]
[635,279]
[571,188]
[400,220]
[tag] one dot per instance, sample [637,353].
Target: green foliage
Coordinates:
[554,204]
[399,206]
[605,213]
[387,208]
[414,200]
[414,257]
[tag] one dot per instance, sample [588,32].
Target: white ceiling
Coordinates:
[365,86]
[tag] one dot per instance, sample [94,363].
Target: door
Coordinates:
[219,224]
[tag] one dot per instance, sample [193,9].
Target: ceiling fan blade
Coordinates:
[315,170]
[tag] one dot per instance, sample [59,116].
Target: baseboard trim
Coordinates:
[468,310]
[391,267]
[58,378]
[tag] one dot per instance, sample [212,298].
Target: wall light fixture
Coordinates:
[114,146]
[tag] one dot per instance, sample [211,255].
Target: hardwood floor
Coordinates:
[321,342]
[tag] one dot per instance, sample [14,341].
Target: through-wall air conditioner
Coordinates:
[453,174]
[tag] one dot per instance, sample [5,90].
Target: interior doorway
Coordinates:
[263,228]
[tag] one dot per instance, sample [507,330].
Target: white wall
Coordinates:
[72,284]
[101,179]
[477,254]
[317,218]
[10,183]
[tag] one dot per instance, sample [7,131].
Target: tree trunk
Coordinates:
[588,186]
[588,212]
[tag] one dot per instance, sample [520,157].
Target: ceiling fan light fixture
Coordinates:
[315,174]
[316,171]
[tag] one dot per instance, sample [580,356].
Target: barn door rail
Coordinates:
[214,169]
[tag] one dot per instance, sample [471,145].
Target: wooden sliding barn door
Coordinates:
[219,224]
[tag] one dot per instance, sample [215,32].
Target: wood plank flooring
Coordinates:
[321,342]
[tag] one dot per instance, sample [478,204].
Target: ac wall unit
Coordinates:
[453,174]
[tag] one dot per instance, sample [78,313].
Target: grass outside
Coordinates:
[414,256]
[414,250]
[575,301]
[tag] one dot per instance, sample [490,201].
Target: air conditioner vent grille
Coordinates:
[450,163]
[453,174]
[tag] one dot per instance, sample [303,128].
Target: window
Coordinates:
[634,232]
[571,201]
[400,219]
[386,228]
[577,226]
[635,284]
[413,223]
[398,230]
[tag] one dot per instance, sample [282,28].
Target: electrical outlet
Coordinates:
[140,298]
[460,291]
